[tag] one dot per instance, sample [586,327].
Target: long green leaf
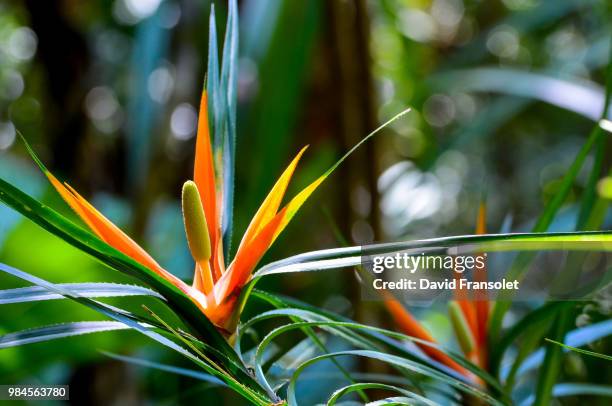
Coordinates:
[92,289]
[590,193]
[228,88]
[536,317]
[365,336]
[575,338]
[351,256]
[411,396]
[191,373]
[393,361]
[580,350]
[551,367]
[574,389]
[212,75]
[362,336]
[56,331]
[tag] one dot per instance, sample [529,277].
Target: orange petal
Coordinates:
[110,233]
[202,278]
[262,231]
[411,327]
[294,205]
[251,250]
[467,306]
[482,302]
[481,221]
[469,312]
[221,314]
[204,177]
[72,202]
[270,205]
[246,259]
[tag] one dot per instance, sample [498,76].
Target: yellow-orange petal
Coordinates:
[296,203]
[202,278]
[272,202]
[249,253]
[411,327]
[239,271]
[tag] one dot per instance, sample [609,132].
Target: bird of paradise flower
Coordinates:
[207,199]
[215,287]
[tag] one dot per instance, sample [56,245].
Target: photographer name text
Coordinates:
[431,266]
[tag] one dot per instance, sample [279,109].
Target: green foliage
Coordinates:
[581,351]
[221,89]
[260,362]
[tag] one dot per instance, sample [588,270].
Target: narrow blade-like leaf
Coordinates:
[57,331]
[37,293]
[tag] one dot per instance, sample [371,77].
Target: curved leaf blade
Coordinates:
[574,338]
[393,361]
[581,351]
[191,373]
[57,331]
[574,389]
[93,289]
[410,396]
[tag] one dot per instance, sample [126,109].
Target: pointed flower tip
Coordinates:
[32,154]
[195,223]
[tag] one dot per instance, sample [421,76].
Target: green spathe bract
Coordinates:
[195,222]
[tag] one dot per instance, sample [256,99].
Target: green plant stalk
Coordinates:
[581,351]
[536,323]
[590,194]
[526,347]
[549,371]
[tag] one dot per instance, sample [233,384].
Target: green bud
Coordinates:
[461,327]
[195,223]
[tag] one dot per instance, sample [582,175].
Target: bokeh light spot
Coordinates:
[7,135]
[183,121]
[22,44]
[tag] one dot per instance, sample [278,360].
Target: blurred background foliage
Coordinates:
[504,94]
